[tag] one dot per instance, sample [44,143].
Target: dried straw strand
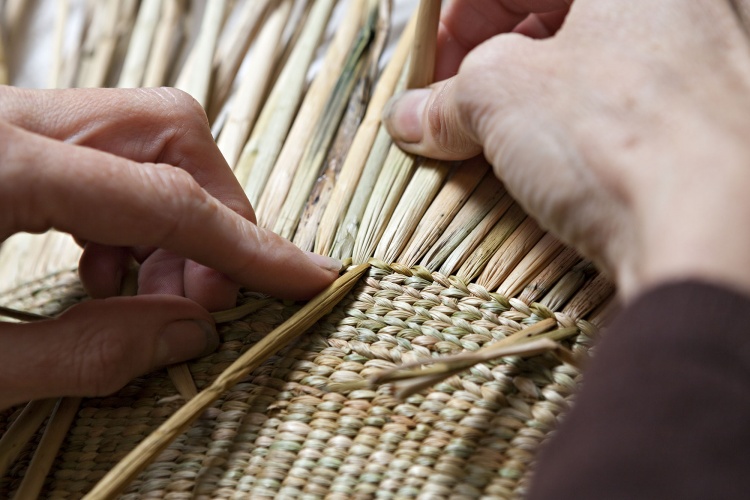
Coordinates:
[140,43]
[317,203]
[389,187]
[248,98]
[332,226]
[44,456]
[311,112]
[444,208]
[183,381]
[549,276]
[589,297]
[20,315]
[484,208]
[417,197]
[568,285]
[476,262]
[166,32]
[530,265]
[4,78]
[422,66]
[22,430]
[61,21]
[325,131]
[195,79]
[13,15]
[399,166]
[412,377]
[241,311]
[510,253]
[100,44]
[273,124]
[149,448]
[233,46]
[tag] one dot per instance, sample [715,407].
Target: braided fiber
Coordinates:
[282,434]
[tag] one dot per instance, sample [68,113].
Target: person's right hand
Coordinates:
[624,132]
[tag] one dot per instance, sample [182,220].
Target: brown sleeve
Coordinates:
[664,411]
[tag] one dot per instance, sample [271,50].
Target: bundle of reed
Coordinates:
[458,264]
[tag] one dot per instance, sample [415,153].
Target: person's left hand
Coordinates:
[131,173]
[147,126]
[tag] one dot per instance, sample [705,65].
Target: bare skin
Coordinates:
[130,173]
[622,129]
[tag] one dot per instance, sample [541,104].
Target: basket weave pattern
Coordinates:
[282,433]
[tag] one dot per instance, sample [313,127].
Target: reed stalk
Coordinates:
[182,380]
[14,13]
[4,77]
[477,260]
[388,190]
[417,197]
[143,454]
[262,149]
[480,213]
[195,79]
[233,45]
[241,311]
[100,44]
[248,98]
[44,456]
[399,166]
[550,275]
[412,377]
[510,253]
[444,208]
[589,297]
[343,244]
[341,213]
[568,285]
[530,265]
[141,42]
[308,121]
[325,131]
[157,69]
[307,229]
[20,315]
[22,430]
[422,65]
[61,22]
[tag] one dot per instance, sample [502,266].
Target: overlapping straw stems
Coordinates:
[307,144]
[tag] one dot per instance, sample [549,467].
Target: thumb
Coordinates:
[430,122]
[95,348]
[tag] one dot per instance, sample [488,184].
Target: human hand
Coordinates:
[623,132]
[130,173]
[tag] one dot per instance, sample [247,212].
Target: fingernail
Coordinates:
[186,339]
[403,115]
[327,263]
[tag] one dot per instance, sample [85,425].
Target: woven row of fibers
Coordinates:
[282,433]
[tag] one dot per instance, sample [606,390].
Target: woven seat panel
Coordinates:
[282,433]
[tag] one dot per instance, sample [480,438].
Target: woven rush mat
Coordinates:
[282,434]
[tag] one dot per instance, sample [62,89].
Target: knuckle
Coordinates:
[447,124]
[181,105]
[180,198]
[100,357]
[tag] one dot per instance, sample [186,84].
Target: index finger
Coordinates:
[144,125]
[113,201]
[465,24]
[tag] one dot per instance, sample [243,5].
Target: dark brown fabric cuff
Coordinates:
[664,411]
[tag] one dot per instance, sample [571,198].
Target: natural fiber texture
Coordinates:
[282,433]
